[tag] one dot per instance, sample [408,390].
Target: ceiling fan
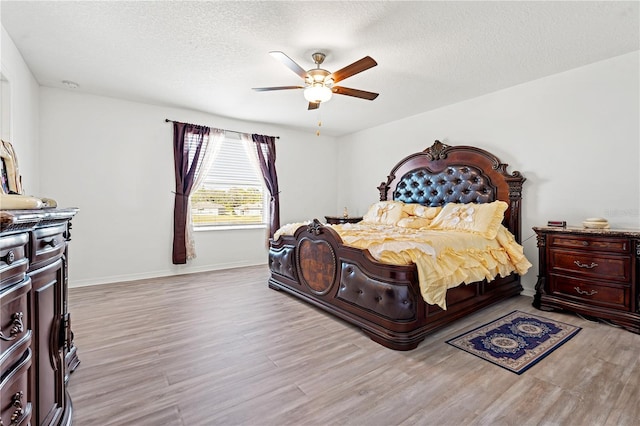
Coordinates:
[319,83]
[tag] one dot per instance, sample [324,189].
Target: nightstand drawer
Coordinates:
[591,292]
[595,272]
[589,265]
[583,242]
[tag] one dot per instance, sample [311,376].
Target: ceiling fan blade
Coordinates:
[355,93]
[356,67]
[266,89]
[314,105]
[289,63]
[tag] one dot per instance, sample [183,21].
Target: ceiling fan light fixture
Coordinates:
[317,93]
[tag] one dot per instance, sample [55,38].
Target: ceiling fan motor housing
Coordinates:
[318,75]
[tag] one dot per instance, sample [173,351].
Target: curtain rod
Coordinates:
[166,120]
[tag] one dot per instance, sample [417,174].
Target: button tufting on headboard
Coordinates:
[460,184]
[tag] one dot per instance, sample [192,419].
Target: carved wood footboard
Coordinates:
[383,300]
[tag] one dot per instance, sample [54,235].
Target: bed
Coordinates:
[384,300]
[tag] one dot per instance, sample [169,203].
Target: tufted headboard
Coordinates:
[444,174]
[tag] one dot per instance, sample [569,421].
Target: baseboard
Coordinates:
[157,274]
[528,292]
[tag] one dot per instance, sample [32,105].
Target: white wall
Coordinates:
[574,136]
[24,112]
[114,160]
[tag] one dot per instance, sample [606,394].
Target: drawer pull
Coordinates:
[9,257]
[588,293]
[52,242]
[584,265]
[17,327]
[585,243]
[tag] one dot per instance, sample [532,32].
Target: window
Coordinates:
[232,193]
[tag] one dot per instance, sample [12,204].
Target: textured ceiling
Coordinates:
[207,56]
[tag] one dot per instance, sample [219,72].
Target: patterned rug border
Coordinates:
[571,331]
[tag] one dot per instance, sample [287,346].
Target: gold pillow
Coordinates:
[483,219]
[385,212]
[414,222]
[421,211]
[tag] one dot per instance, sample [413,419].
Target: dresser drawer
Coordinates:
[591,292]
[13,259]
[49,243]
[15,407]
[590,243]
[586,264]
[15,335]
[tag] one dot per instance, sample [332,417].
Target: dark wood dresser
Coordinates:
[593,272]
[36,344]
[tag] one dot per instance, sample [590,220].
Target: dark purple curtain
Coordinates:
[266,147]
[187,149]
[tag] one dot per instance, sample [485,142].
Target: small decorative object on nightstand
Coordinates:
[590,271]
[335,220]
[596,222]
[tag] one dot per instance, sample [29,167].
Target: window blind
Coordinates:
[232,193]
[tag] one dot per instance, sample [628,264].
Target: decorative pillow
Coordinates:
[483,219]
[414,222]
[421,211]
[385,212]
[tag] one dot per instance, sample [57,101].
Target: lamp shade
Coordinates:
[317,93]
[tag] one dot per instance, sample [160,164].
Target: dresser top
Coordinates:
[10,219]
[613,232]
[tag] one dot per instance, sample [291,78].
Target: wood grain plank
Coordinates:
[222,348]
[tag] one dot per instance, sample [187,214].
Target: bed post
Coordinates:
[515,200]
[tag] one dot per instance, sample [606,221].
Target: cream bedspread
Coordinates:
[444,259]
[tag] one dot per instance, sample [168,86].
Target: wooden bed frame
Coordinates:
[384,300]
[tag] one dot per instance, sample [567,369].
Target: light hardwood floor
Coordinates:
[221,348]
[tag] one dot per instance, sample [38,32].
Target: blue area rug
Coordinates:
[516,341]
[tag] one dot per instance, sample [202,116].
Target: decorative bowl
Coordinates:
[596,223]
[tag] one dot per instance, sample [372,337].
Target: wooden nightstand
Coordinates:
[592,272]
[335,220]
